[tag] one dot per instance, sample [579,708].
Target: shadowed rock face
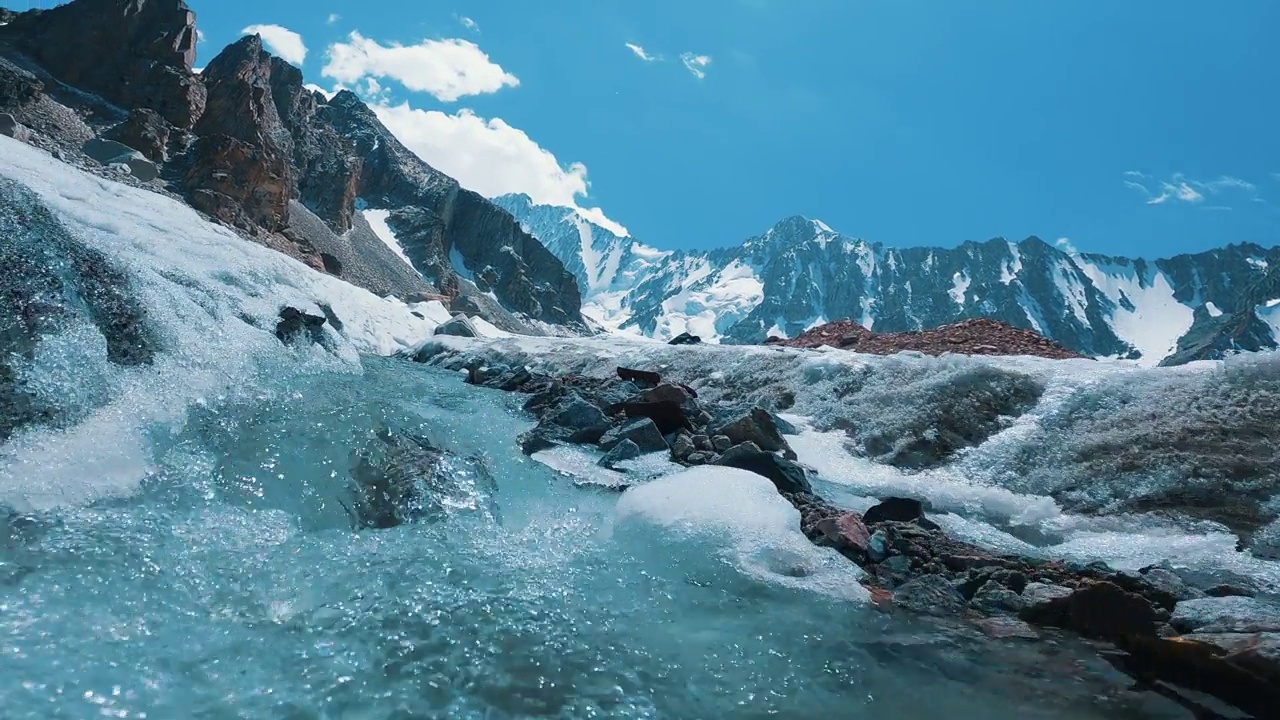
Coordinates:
[135,53]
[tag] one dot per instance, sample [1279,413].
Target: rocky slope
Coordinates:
[980,336]
[801,273]
[247,144]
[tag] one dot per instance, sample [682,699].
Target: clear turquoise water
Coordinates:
[231,586]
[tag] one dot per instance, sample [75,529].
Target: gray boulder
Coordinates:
[1039,595]
[641,431]
[929,595]
[110,152]
[10,126]
[756,426]
[683,446]
[996,598]
[623,451]
[1226,615]
[459,326]
[584,422]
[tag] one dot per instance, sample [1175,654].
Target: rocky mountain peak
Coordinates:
[134,53]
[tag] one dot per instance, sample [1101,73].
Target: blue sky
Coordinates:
[1145,127]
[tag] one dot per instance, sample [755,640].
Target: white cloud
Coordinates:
[281,41]
[641,52]
[1067,246]
[328,94]
[447,69]
[469,24]
[491,157]
[1182,189]
[333,18]
[199,35]
[696,64]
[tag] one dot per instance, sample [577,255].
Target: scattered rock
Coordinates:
[640,377]
[537,440]
[458,326]
[1226,615]
[895,509]
[625,450]
[700,458]
[929,595]
[295,324]
[685,339]
[846,533]
[720,443]
[703,443]
[683,447]
[640,431]
[757,427]
[787,476]
[1266,542]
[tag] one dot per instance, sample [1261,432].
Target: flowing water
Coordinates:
[230,585]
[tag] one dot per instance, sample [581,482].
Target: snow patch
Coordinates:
[959,287]
[377,220]
[1212,309]
[1157,319]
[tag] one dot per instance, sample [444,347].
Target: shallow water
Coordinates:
[231,586]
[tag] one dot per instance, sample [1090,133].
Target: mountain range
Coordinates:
[109,86]
[801,273]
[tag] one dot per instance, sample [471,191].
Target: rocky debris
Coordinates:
[400,477]
[147,132]
[10,127]
[1099,610]
[134,53]
[458,326]
[845,532]
[296,325]
[1266,542]
[685,339]
[787,476]
[980,336]
[1241,671]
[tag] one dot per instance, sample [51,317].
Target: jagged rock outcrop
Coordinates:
[439,223]
[247,143]
[134,53]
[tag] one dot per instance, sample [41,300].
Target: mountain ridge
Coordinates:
[801,273]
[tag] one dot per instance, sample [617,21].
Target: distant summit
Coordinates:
[801,274]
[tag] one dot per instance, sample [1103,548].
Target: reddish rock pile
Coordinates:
[980,336]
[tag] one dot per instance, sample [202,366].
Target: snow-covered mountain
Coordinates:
[802,273]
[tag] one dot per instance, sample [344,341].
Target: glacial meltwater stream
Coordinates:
[230,585]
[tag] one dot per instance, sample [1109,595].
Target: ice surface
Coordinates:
[739,517]
[214,299]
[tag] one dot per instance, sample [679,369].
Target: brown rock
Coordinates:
[134,53]
[979,336]
[845,532]
[145,131]
[1100,610]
